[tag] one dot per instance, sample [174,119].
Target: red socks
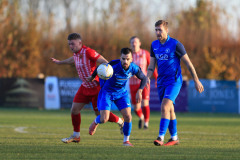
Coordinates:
[113,118]
[146,113]
[139,112]
[76,121]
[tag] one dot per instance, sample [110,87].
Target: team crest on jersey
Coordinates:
[96,54]
[167,50]
[129,75]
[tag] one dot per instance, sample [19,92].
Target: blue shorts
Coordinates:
[105,100]
[171,91]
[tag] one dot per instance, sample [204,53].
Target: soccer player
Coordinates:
[85,60]
[114,90]
[168,52]
[141,57]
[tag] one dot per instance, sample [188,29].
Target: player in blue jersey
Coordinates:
[167,53]
[114,90]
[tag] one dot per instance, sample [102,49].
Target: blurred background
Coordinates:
[33,31]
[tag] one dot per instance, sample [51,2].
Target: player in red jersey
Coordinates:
[141,57]
[85,60]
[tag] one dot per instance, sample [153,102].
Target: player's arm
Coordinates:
[198,85]
[94,74]
[101,60]
[182,54]
[66,61]
[155,74]
[151,66]
[140,75]
[92,77]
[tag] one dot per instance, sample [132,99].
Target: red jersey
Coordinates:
[142,59]
[85,62]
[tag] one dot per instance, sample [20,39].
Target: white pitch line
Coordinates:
[20,129]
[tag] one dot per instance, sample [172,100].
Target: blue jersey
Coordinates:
[168,60]
[116,85]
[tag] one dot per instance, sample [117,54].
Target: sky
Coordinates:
[158,9]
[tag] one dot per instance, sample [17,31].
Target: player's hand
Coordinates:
[139,96]
[199,87]
[55,60]
[90,79]
[148,83]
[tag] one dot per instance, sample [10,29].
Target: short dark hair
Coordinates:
[162,22]
[74,36]
[126,51]
[133,37]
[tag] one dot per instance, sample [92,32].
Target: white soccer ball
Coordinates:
[105,71]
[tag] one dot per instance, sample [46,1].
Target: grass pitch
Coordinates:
[37,134]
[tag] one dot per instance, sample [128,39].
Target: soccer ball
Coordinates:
[105,71]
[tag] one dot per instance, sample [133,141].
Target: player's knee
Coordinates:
[127,118]
[165,110]
[104,120]
[75,111]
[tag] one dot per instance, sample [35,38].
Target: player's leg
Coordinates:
[104,106]
[120,121]
[76,121]
[164,122]
[160,140]
[172,93]
[112,117]
[145,106]
[124,106]
[82,97]
[137,106]
[127,128]
[139,113]
[102,118]
[172,129]
[169,94]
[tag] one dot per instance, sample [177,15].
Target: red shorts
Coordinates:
[134,89]
[86,95]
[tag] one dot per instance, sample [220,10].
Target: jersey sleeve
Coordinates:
[180,50]
[140,75]
[151,52]
[92,54]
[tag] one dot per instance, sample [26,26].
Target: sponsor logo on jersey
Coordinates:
[162,57]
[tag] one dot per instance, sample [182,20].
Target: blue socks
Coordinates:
[127,128]
[173,127]
[97,120]
[164,123]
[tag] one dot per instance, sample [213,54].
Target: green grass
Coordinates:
[202,136]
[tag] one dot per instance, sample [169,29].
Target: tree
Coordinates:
[206,41]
